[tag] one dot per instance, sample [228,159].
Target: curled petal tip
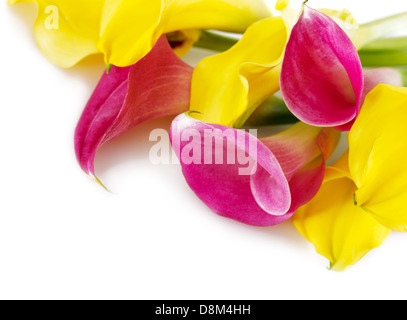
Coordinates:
[231,171]
[288,168]
[158,85]
[96,179]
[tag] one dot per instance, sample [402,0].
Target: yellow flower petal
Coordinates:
[340,231]
[227,87]
[67,31]
[378,149]
[339,170]
[282,4]
[126,30]
[130,28]
[226,15]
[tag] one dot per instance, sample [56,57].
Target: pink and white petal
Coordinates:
[158,85]
[302,151]
[321,77]
[261,198]
[288,168]
[99,115]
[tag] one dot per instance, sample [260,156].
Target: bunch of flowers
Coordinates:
[315,70]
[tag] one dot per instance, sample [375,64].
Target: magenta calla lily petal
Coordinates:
[302,152]
[280,173]
[244,198]
[158,85]
[322,78]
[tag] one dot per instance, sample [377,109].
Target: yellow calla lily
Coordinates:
[128,33]
[227,87]
[126,30]
[67,31]
[364,194]
[376,158]
[339,230]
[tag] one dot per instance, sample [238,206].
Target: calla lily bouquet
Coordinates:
[316,71]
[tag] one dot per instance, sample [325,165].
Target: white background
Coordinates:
[64,237]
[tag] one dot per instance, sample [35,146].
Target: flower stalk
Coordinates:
[404,76]
[379,29]
[394,44]
[389,52]
[215,42]
[273,111]
[383,58]
[372,36]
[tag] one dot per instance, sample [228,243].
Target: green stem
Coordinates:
[391,52]
[381,28]
[393,44]
[403,74]
[273,111]
[383,58]
[215,42]
[369,36]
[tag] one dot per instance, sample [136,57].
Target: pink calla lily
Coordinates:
[158,85]
[322,78]
[281,173]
